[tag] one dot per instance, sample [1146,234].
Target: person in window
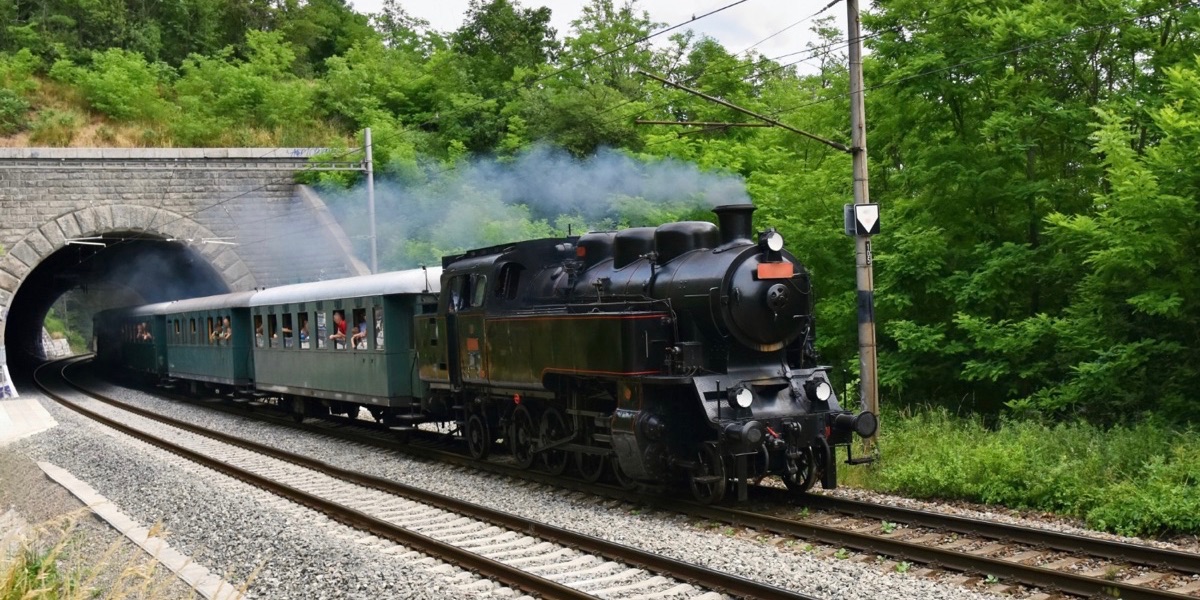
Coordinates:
[339,328]
[223,331]
[303,333]
[359,339]
[144,333]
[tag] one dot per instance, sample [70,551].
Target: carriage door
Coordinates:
[469,339]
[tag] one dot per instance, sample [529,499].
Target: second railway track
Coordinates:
[525,554]
[1003,550]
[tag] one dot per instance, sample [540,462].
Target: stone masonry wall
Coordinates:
[253,223]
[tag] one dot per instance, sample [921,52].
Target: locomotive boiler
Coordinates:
[682,353]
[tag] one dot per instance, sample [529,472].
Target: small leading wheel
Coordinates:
[620,476]
[522,437]
[479,438]
[806,473]
[708,480]
[551,429]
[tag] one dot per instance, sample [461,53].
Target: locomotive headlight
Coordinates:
[774,241]
[743,398]
[819,390]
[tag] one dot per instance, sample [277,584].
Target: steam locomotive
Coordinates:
[679,355]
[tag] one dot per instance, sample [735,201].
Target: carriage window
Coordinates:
[339,331]
[322,332]
[378,311]
[273,331]
[191,331]
[510,278]
[212,332]
[178,332]
[302,336]
[287,331]
[356,329]
[480,285]
[258,331]
[459,291]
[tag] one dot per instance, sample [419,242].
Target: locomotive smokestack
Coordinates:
[736,222]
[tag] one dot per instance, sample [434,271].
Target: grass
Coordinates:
[37,569]
[1138,480]
[53,113]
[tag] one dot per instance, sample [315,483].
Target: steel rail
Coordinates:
[1049,579]
[1042,538]
[702,576]
[1071,583]
[487,567]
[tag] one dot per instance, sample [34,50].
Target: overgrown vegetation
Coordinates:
[1035,162]
[58,328]
[1138,480]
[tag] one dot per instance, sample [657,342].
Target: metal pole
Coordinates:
[370,164]
[865,277]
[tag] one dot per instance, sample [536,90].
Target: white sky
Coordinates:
[736,28]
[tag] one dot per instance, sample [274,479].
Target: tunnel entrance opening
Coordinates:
[116,269]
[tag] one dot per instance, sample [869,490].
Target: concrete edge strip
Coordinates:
[198,577]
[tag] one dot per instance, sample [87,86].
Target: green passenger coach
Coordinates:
[348,342]
[208,340]
[134,338]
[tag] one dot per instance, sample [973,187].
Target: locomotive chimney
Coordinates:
[736,222]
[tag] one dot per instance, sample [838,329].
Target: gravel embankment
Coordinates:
[794,566]
[1004,515]
[244,534]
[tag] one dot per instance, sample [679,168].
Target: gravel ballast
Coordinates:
[793,566]
[241,533]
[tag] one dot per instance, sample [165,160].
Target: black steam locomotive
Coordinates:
[677,353]
[680,354]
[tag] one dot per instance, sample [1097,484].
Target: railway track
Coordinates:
[1053,561]
[521,553]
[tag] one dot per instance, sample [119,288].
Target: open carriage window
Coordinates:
[259,339]
[322,330]
[378,311]
[357,329]
[273,331]
[287,334]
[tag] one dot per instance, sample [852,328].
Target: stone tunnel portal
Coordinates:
[115,269]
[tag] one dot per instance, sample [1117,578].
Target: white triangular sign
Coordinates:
[867,215]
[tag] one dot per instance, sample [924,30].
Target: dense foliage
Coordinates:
[1138,480]
[1035,160]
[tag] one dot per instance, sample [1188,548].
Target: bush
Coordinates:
[1141,480]
[120,84]
[13,110]
[16,71]
[55,127]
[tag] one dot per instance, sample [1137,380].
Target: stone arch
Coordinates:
[93,220]
[96,220]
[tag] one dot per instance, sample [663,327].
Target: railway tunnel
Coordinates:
[118,268]
[127,226]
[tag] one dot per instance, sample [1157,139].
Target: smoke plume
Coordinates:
[539,193]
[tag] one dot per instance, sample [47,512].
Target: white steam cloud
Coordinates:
[538,193]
